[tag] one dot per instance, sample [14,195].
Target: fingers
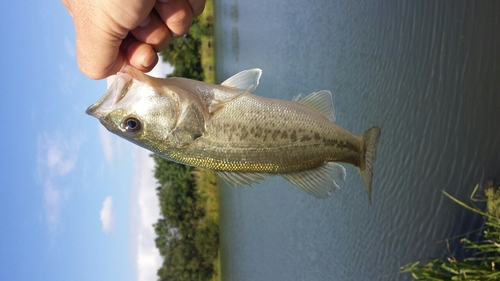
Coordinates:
[153,31]
[176,14]
[170,18]
[139,54]
[197,6]
[102,25]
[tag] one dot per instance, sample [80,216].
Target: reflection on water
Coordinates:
[422,70]
[235,43]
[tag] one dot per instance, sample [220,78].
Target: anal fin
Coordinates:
[320,182]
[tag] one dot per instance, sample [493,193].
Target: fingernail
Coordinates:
[145,21]
[149,60]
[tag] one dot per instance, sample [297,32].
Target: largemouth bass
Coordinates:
[243,137]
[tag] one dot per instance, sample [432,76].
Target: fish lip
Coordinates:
[95,109]
[113,94]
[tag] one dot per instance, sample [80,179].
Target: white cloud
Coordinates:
[161,70]
[144,212]
[56,157]
[107,143]
[59,154]
[107,217]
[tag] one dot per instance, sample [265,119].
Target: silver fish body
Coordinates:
[241,136]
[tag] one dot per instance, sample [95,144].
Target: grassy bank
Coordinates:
[208,58]
[206,180]
[207,44]
[482,263]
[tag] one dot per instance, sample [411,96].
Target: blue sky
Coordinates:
[76,203]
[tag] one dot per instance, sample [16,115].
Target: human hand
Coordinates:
[111,33]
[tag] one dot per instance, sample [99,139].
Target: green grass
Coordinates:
[207,17]
[207,43]
[484,265]
[208,58]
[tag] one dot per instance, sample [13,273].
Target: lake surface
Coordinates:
[426,72]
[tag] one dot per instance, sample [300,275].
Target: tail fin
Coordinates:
[370,137]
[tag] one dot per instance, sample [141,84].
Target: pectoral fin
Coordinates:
[218,104]
[320,182]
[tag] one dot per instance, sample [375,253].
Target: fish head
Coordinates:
[136,107]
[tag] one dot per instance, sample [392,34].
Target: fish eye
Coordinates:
[132,125]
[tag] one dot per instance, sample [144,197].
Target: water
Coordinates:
[424,71]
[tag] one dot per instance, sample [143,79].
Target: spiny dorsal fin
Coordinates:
[320,182]
[321,101]
[247,79]
[241,179]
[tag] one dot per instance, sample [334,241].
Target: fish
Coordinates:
[242,137]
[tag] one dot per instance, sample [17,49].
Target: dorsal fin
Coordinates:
[245,80]
[321,101]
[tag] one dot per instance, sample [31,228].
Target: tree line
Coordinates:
[187,242]
[184,53]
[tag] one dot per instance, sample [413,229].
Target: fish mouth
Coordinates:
[118,86]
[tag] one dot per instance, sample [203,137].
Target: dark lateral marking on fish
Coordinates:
[342,144]
[284,135]
[317,136]
[244,132]
[266,132]
[258,132]
[276,134]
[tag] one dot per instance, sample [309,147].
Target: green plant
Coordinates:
[485,263]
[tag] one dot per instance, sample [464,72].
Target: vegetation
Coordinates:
[483,263]
[188,230]
[185,53]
